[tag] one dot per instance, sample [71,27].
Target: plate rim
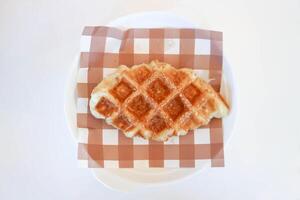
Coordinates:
[129,185]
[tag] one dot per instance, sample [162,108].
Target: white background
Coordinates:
[38,42]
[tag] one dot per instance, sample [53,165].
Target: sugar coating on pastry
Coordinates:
[156,101]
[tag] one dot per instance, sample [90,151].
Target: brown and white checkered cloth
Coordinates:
[105,48]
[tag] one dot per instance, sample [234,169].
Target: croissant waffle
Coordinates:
[156,101]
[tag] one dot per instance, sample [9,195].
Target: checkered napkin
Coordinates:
[105,48]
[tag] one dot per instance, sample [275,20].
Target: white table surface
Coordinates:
[38,42]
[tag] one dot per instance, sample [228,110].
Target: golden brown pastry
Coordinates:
[156,101]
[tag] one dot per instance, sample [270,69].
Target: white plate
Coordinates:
[131,179]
